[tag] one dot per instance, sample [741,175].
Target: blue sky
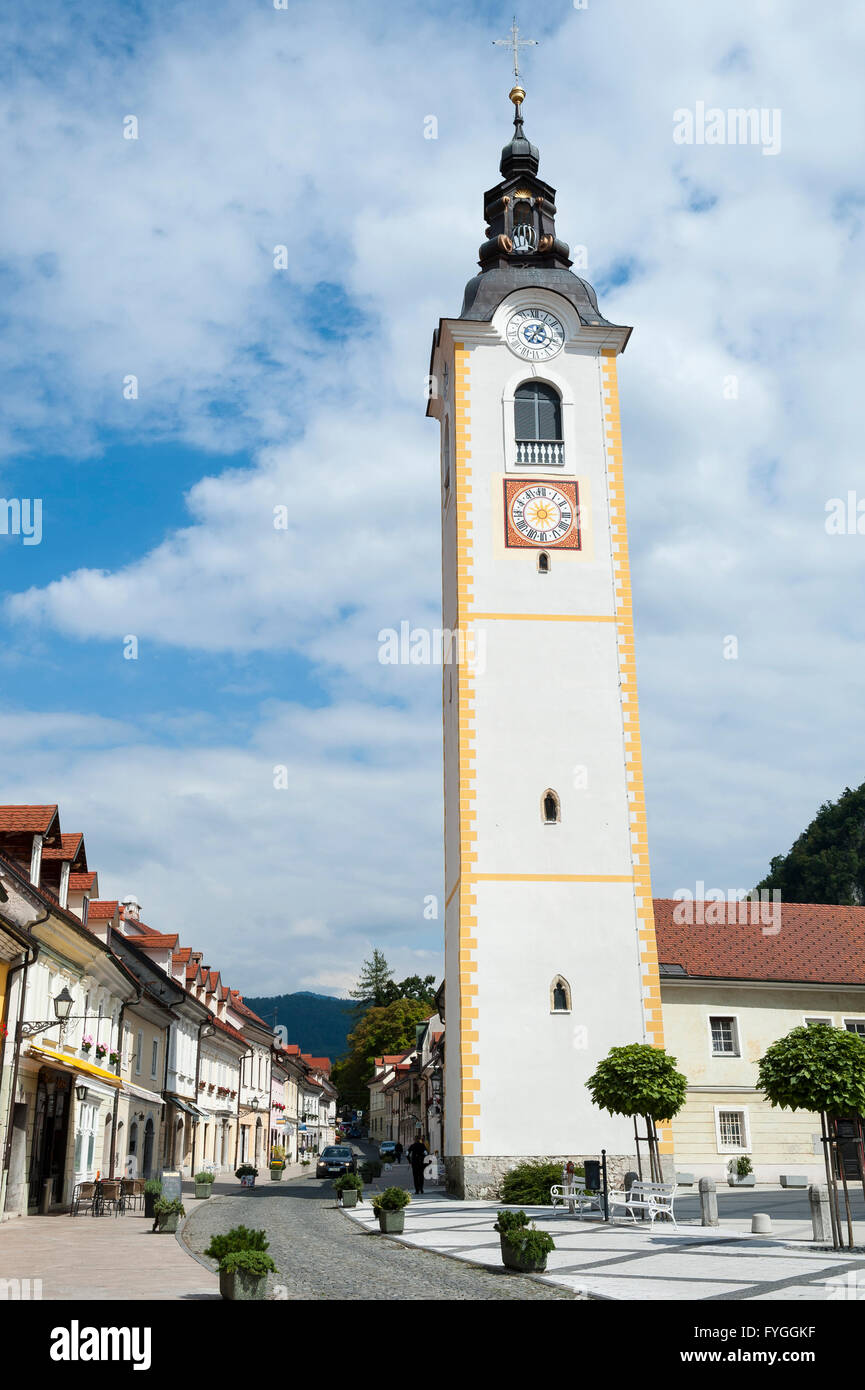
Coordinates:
[303,387]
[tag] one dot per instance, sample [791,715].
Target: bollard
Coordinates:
[761,1224]
[630,1179]
[708,1202]
[821,1219]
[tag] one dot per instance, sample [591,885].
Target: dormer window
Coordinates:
[538,424]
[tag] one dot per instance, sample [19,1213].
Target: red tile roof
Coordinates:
[236,999]
[154,938]
[317,1063]
[80,883]
[812,942]
[101,908]
[227,1028]
[26,820]
[69,848]
[182,956]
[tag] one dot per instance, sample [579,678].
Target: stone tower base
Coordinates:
[476,1176]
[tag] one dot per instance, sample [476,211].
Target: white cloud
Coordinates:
[314,138]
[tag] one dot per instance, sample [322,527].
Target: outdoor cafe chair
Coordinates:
[84,1192]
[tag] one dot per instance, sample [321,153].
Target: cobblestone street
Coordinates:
[321,1254]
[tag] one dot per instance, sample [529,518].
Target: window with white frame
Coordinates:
[154,1060]
[731,1127]
[818,1022]
[855,1025]
[725,1036]
[139,1043]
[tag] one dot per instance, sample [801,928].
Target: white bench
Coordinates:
[574,1193]
[653,1198]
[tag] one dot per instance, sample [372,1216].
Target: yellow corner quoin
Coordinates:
[468,1037]
[650,978]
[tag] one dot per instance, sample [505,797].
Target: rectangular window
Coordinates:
[139,1042]
[725,1037]
[731,1129]
[155,1058]
[818,1023]
[855,1025]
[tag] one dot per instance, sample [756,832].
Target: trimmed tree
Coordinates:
[640,1080]
[821,1069]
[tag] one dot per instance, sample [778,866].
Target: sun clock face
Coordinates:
[542,513]
[535,335]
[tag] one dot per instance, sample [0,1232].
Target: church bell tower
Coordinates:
[550,955]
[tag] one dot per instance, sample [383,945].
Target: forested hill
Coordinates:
[318,1022]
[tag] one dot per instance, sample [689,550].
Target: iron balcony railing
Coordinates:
[543,451]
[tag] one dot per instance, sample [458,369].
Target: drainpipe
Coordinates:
[201,1027]
[135,1000]
[250,1053]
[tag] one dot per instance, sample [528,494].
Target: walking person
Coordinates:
[417,1159]
[398,1151]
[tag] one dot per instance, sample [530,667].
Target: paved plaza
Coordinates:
[625,1261]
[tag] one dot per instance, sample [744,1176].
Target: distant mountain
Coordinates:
[318,1022]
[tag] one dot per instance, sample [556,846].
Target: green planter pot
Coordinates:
[243,1288]
[276,1173]
[392,1223]
[349,1197]
[203,1189]
[512,1259]
[168,1224]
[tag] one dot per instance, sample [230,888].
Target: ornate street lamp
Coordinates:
[62,1005]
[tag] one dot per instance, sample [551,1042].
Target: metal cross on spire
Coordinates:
[515,43]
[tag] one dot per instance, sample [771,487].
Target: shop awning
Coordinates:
[74,1064]
[140,1093]
[188,1107]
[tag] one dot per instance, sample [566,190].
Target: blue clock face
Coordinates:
[535,335]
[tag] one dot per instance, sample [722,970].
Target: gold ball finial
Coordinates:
[517,95]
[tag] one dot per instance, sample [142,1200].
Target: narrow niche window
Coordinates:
[446,457]
[543,562]
[551,808]
[560,996]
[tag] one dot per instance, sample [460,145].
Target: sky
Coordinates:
[164,386]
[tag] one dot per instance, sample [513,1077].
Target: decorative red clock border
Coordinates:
[572,540]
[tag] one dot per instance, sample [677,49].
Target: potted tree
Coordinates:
[247,1174]
[740,1172]
[241,1279]
[640,1080]
[168,1213]
[152,1190]
[389,1206]
[822,1070]
[524,1248]
[348,1187]
[203,1184]
[277,1163]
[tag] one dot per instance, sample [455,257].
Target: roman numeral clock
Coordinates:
[549,937]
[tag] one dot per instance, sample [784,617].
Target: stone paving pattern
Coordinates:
[320,1254]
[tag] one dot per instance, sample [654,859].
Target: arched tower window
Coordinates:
[560,996]
[538,423]
[551,808]
[543,562]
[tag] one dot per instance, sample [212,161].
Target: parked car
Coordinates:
[335,1160]
[386,1150]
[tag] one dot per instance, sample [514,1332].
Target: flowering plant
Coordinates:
[87,1042]
[114,1058]
[101,1049]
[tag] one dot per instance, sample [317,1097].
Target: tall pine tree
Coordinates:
[372,987]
